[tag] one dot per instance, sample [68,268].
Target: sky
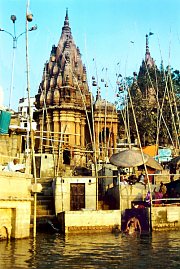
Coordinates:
[112,32]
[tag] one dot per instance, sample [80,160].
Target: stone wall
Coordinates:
[45,165]
[62,192]
[15,184]
[90,221]
[15,217]
[127,195]
[15,204]
[131,193]
[165,217]
[10,147]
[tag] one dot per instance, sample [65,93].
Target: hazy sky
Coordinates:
[102,29]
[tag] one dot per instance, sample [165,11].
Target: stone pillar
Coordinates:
[111,144]
[83,123]
[115,136]
[72,128]
[96,128]
[40,134]
[56,131]
[77,131]
[48,130]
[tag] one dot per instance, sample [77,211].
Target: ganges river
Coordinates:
[161,250]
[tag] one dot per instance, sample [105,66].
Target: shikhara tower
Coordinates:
[63,103]
[148,67]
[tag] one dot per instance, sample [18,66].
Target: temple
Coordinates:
[71,126]
[146,72]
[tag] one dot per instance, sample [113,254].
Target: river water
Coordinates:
[160,250]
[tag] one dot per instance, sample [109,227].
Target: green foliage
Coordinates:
[164,87]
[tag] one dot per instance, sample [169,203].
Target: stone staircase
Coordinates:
[45,208]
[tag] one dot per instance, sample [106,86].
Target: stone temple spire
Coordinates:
[147,46]
[148,59]
[66,28]
[64,70]
[148,62]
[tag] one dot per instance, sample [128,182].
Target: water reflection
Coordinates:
[92,251]
[14,254]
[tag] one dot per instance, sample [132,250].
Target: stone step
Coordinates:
[43,207]
[47,191]
[44,180]
[45,202]
[43,218]
[42,212]
[44,197]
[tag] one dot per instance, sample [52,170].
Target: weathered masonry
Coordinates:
[15,204]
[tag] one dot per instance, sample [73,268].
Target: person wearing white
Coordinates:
[14,166]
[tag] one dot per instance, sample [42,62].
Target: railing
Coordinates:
[176,200]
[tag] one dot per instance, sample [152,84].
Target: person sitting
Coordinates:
[133,226]
[14,166]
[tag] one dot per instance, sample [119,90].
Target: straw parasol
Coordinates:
[153,164]
[128,158]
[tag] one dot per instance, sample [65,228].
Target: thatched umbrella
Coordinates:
[153,164]
[128,158]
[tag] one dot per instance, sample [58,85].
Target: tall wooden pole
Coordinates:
[30,121]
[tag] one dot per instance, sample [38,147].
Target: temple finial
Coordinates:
[66,18]
[66,29]
[147,44]
[66,22]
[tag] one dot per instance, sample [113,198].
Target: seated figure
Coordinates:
[14,166]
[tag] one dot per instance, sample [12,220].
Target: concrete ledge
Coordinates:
[86,221]
[16,199]
[15,184]
[15,175]
[91,229]
[165,218]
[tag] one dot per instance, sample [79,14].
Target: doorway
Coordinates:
[66,156]
[77,196]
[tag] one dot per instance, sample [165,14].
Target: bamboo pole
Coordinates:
[30,121]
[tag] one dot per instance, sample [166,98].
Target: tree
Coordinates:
[155,96]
